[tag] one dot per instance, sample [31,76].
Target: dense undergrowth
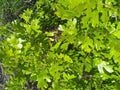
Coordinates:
[62,45]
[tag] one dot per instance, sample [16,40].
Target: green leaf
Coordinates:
[117,34]
[41,78]
[26,15]
[68,76]
[35,25]
[87,44]
[68,59]
[95,18]
[64,46]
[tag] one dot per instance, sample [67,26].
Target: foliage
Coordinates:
[64,45]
